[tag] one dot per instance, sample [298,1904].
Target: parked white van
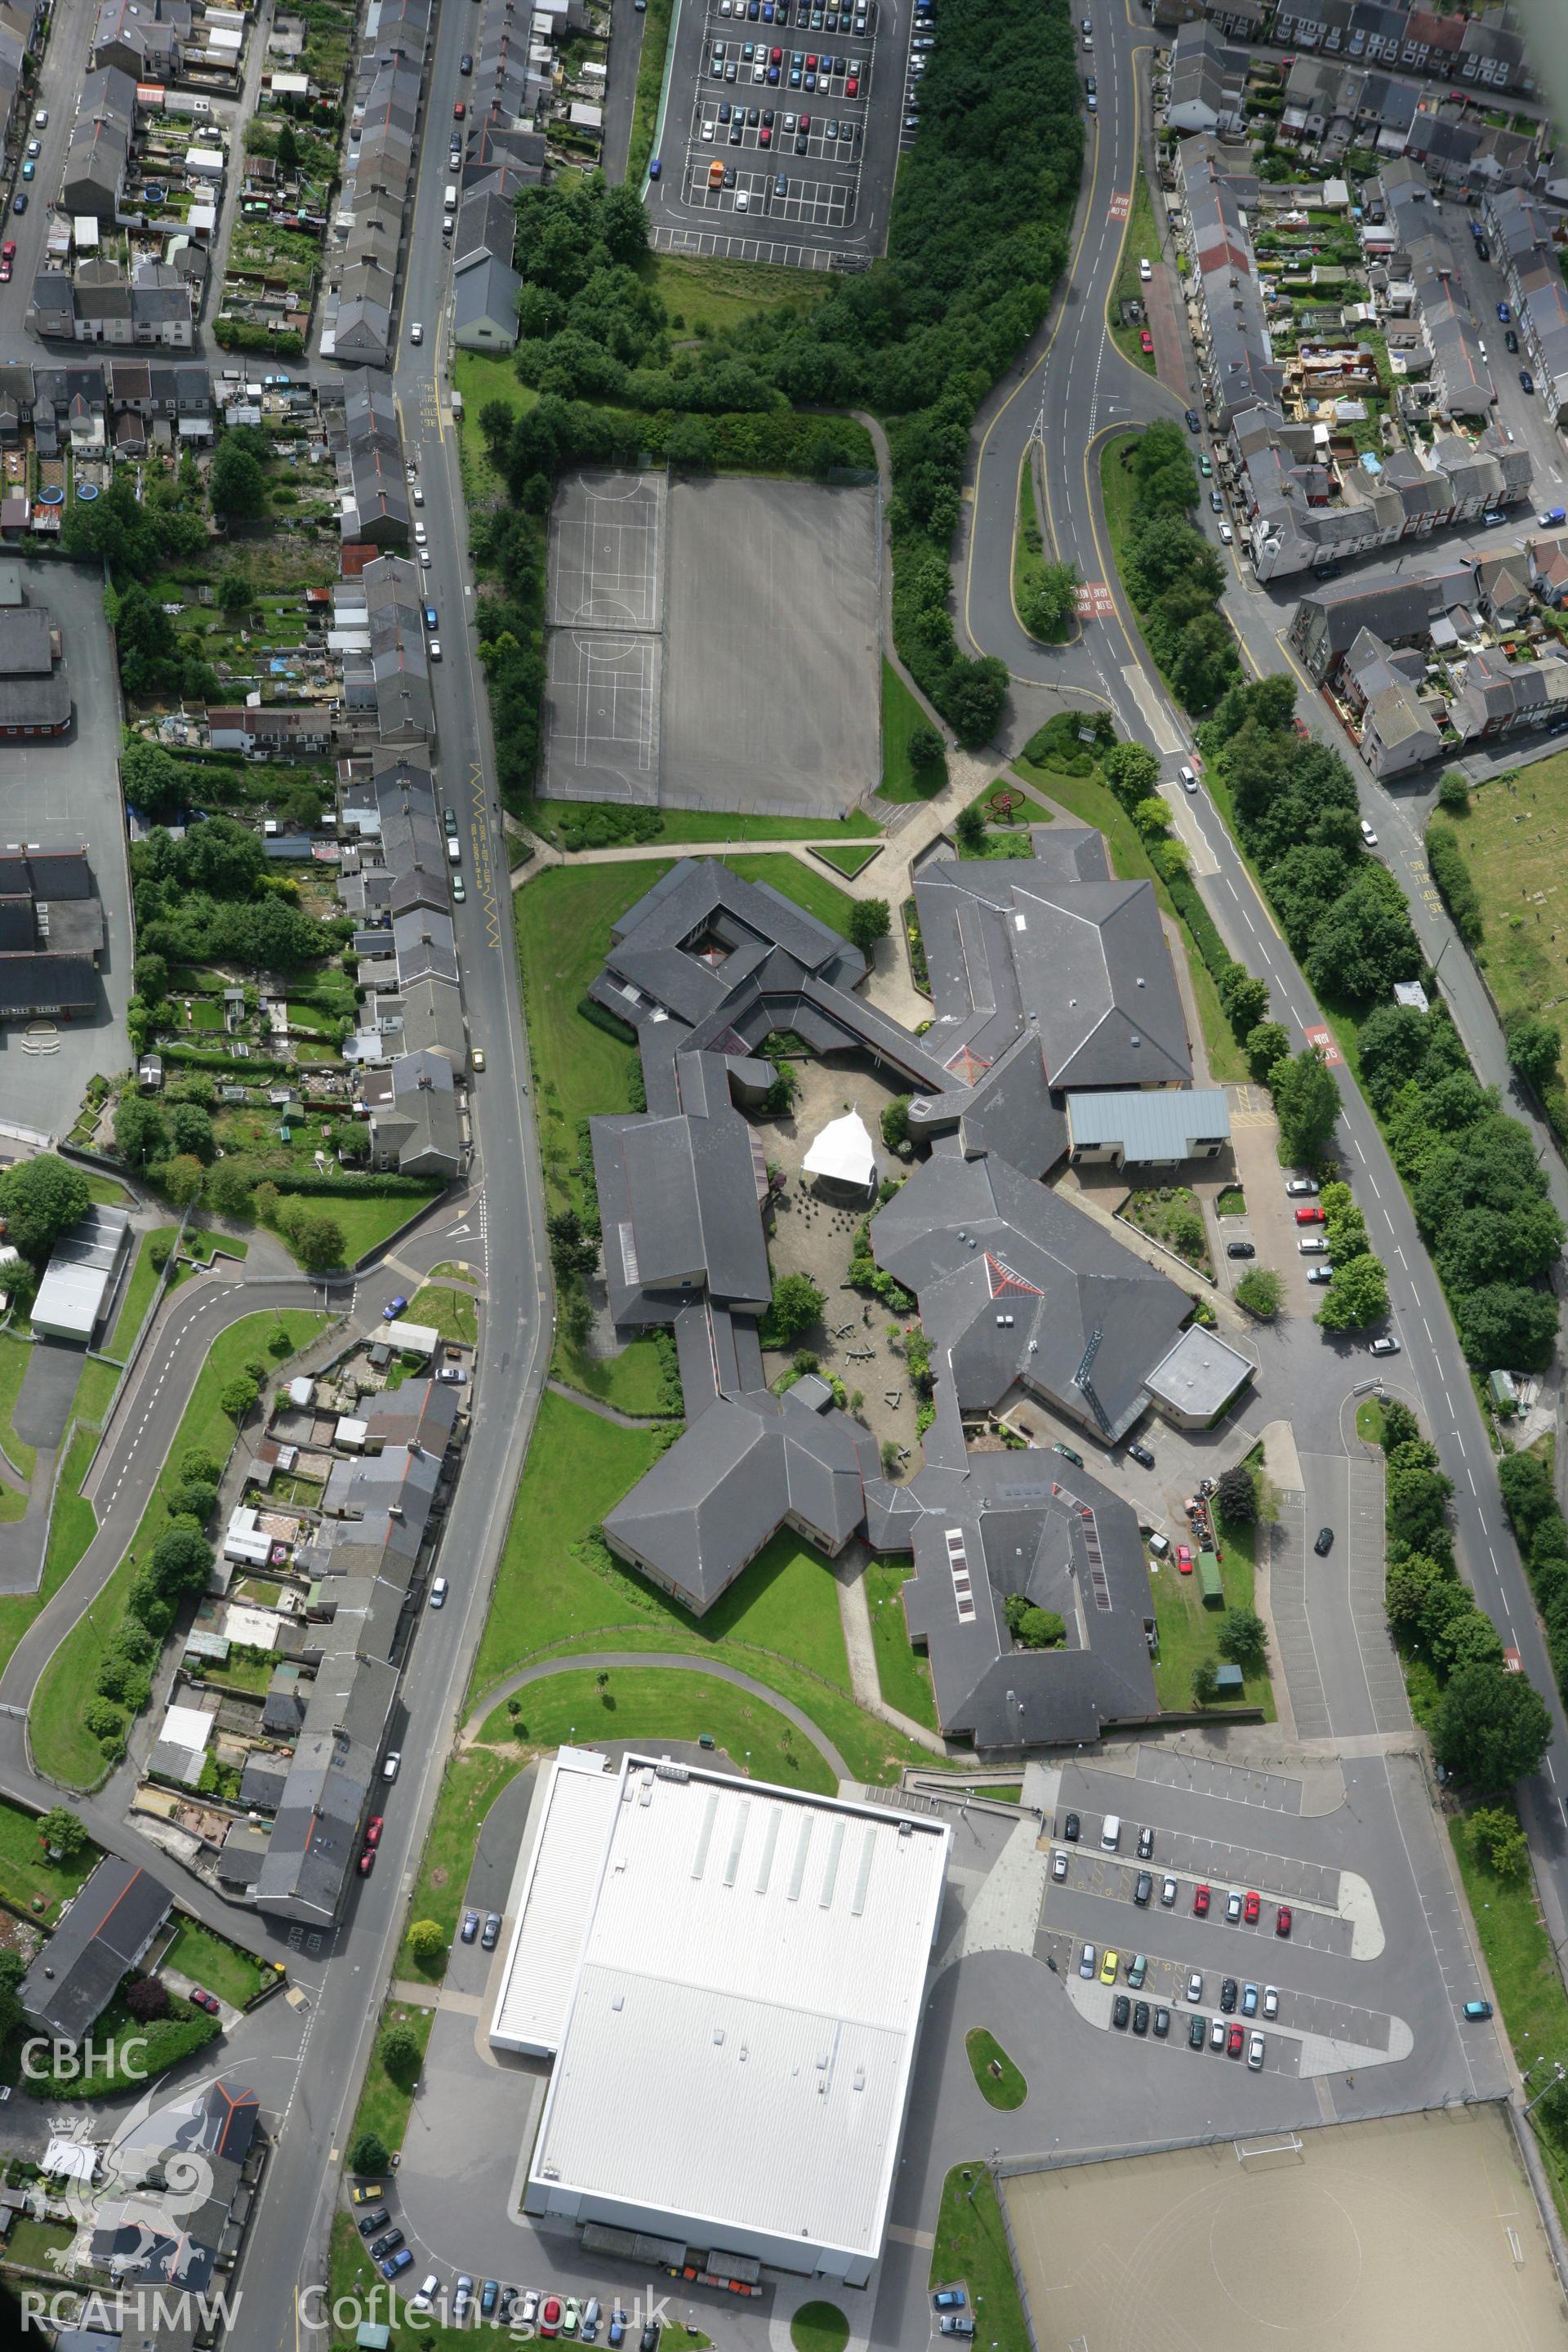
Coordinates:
[1111,1832]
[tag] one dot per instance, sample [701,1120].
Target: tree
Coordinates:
[1364,942]
[149,977]
[182,1560]
[236,593]
[896,1122]
[1048,599]
[1205,1683]
[973,699]
[317,1241]
[237,486]
[288,149]
[1357,1295]
[1132,772]
[1243,1638]
[147,1998]
[228,1190]
[369,2152]
[870,920]
[571,1251]
[42,1198]
[1506,1327]
[1258,1291]
[140,1132]
[1206,662]
[1497,1833]
[690,444]
[1266,1046]
[797,1304]
[182,1179]
[1454,791]
[61,1831]
[1153,819]
[104,1722]
[969,828]
[1236,1495]
[1533,1046]
[1245,999]
[400,2050]
[427,1940]
[1491,1728]
[238,1396]
[193,1501]
[191,1130]
[1184,1230]
[925,747]
[1307,1104]
[1032,1628]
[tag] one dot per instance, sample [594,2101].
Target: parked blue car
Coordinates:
[949,2298]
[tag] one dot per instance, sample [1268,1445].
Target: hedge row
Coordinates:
[1446,861]
[254,1065]
[1199,921]
[602,1018]
[344,1184]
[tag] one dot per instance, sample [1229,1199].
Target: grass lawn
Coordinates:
[469,1787]
[456,1270]
[904,1677]
[29,2243]
[656,1703]
[26,1870]
[562,930]
[849,860]
[63,1746]
[1001,2084]
[1512,836]
[1142,238]
[901,714]
[72,1529]
[555,1590]
[106,1191]
[972,2248]
[13,1504]
[95,1391]
[481,380]
[215,1964]
[698,825]
[1092,803]
[451,1312]
[138,1294]
[1525,1979]
[386,2099]
[14,1356]
[1232,1202]
[1187,1629]
[634,1381]
[1030,552]
[365,1219]
[719,294]
[1369,1421]
[819,2327]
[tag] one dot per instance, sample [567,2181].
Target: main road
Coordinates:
[1072,388]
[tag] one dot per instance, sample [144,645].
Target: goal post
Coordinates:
[1285,2145]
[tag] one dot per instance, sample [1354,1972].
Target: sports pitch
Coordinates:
[1416,2232]
[713,644]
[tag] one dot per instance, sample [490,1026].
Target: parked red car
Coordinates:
[1252,1908]
[1146,343]
[1200,1901]
[203,2000]
[1310,1214]
[1282,1920]
[550,2317]
[1234,2044]
[1184,1559]
[373,1829]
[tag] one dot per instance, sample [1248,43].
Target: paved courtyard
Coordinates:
[67,794]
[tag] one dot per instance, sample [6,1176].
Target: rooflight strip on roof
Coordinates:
[700,1860]
[830,1876]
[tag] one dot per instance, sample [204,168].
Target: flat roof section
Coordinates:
[752,1975]
[1199,1376]
[1158,1124]
[568,1827]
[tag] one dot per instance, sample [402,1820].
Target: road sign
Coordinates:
[1323,1039]
[1095,600]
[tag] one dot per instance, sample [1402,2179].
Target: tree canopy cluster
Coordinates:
[210,899]
[1490,1727]
[1479,1194]
[1174,575]
[1295,800]
[40,1199]
[1542,1532]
